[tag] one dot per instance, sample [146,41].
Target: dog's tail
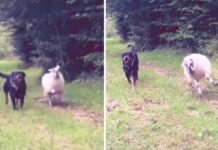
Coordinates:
[3,75]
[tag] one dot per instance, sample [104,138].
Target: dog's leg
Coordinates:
[6,98]
[137,77]
[134,79]
[21,102]
[17,103]
[128,78]
[13,100]
[132,83]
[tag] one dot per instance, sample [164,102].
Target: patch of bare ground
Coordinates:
[111,105]
[146,103]
[211,97]
[187,139]
[138,108]
[157,69]
[192,111]
[213,103]
[82,113]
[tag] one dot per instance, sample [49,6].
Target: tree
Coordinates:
[53,32]
[152,23]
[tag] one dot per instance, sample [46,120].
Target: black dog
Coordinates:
[15,85]
[131,65]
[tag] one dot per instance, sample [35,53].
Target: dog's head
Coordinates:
[127,60]
[18,77]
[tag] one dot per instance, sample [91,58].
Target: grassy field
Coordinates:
[162,112]
[75,126]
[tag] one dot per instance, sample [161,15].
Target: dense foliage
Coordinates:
[190,24]
[50,32]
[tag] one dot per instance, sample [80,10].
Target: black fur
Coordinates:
[130,64]
[190,67]
[15,85]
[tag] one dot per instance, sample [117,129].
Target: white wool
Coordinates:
[201,63]
[51,84]
[201,68]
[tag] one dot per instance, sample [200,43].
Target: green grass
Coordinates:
[37,126]
[174,119]
[90,93]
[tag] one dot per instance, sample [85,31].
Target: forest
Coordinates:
[46,33]
[188,25]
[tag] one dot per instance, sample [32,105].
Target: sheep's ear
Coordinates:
[191,67]
[57,68]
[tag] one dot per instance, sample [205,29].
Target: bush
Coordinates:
[211,48]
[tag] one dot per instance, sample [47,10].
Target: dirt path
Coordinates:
[145,65]
[81,113]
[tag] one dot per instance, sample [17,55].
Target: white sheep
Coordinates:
[196,67]
[53,84]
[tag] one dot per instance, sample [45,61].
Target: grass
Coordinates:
[161,113]
[90,93]
[39,127]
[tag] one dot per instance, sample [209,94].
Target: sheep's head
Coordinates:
[189,64]
[55,70]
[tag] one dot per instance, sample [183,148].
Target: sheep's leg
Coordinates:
[209,79]
[50,99]
[6,98]
[61,97]
[198,88]
[188,77]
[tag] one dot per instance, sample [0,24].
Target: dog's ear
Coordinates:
[13,73]
[24,74]
[129,46]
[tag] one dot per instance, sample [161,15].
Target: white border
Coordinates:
[105,137]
